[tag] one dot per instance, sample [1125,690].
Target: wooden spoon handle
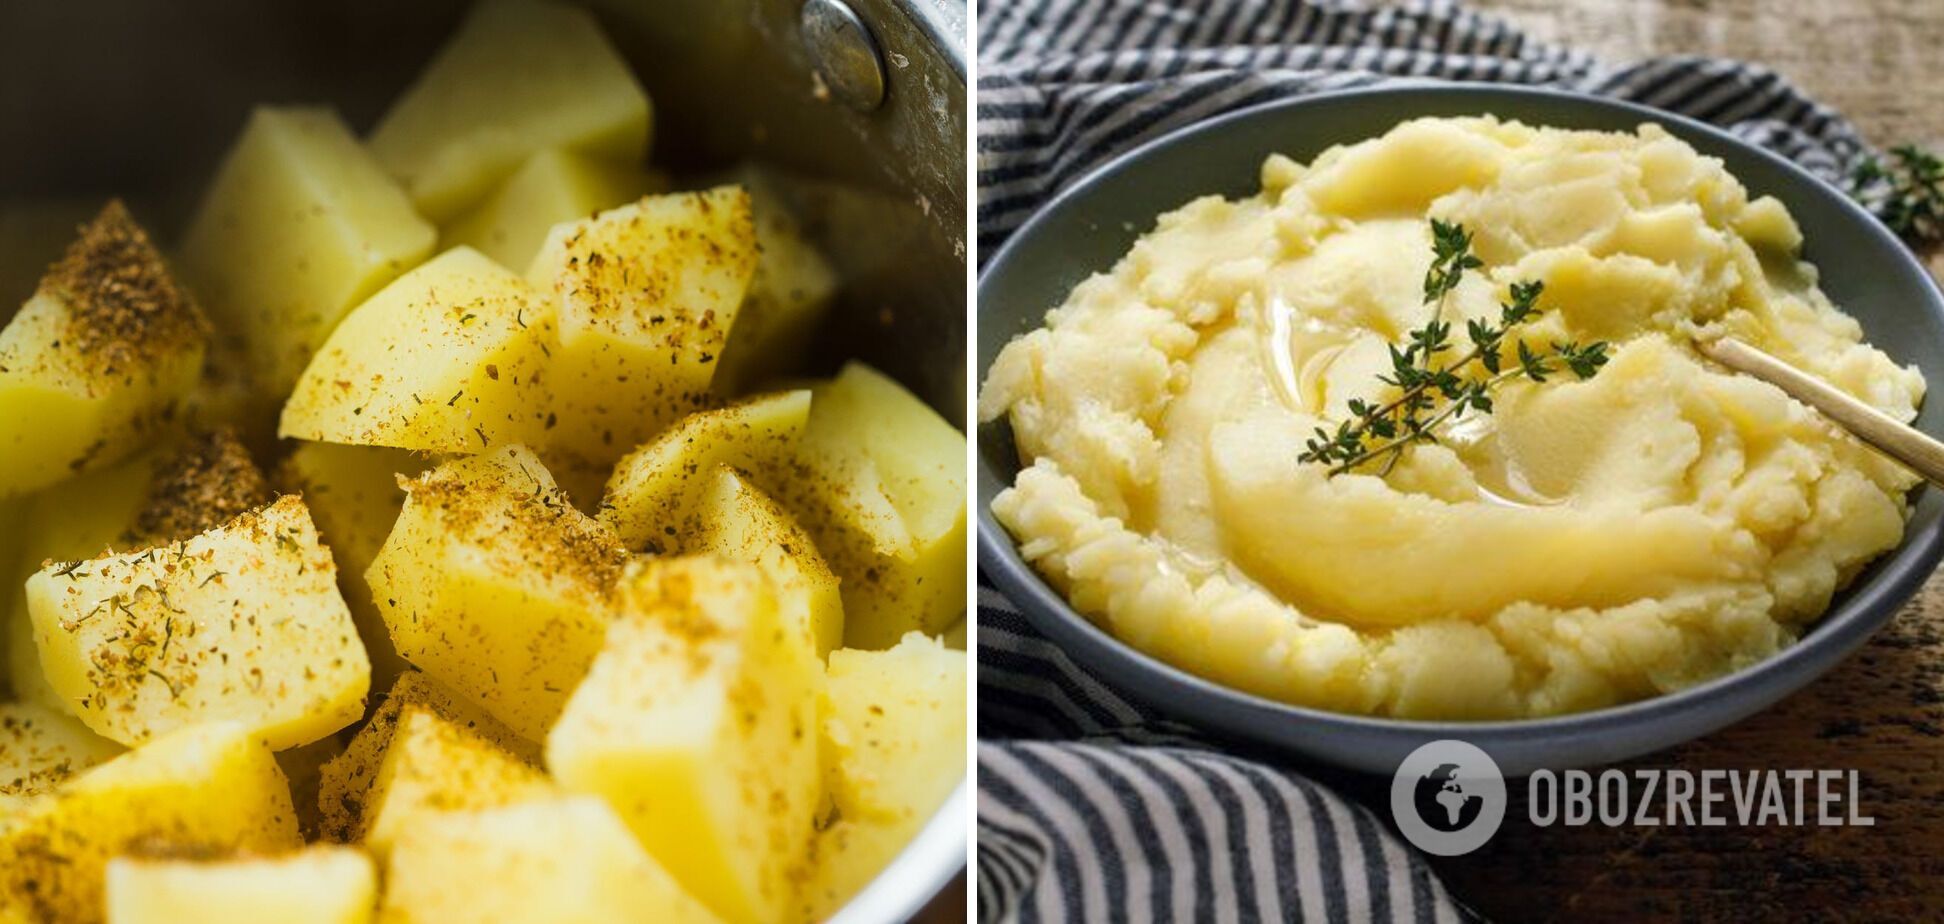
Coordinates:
[1886,434]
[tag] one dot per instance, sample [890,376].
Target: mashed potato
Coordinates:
[1588,543]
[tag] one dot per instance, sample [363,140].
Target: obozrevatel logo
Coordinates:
[1448,798]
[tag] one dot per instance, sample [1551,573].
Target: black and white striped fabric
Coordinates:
[1089,808]
[1065,85]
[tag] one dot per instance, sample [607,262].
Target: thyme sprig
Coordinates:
[1431,394]
[1908,192]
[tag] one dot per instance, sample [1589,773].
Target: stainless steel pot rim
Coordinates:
[1864,608]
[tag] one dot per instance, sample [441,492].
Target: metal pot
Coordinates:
[140,100]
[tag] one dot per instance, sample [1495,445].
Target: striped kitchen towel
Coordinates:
[1091,809]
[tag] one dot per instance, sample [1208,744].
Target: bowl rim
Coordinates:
[1863,609]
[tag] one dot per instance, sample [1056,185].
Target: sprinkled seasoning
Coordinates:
[243,621]
[209,481]
[538,525]
[124,309]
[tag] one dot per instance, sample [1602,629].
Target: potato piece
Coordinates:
[884,495]
[174,492]
[788,294]
[243,622]
[446,359]
[553,186]
[39,748]
[316,885]
[97,360]
[300,225]
[344,783]
[651,498]
[492,583]
[696,723]
[894,727]
[519,76]
[646,296]
[563,861]
[433,766]
[739,522]
[354,497]
[208,789]
[77,518]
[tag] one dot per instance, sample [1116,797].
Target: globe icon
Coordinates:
[1442,802]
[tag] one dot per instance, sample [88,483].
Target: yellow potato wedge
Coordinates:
[173,492]
[316,885]
[345,781]
[739,522]
[496,586]
[433,765]
[894,729]
[646,293]
[205,790]
[697,723]
[98,358]
[243,622]
[883,491]
[652,497]
[446,359]
[563,861]
[553,186]
[520,76]
[300,225]
[39,749]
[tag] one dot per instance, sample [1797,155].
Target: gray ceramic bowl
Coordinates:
[1864,269]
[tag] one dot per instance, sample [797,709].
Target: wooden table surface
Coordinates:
[1882,712]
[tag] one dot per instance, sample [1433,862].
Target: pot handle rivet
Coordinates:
[844,53]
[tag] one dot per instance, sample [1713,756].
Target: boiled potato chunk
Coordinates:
[433,765]
[496,586]
[519,77]
[697,723]
[243,622]
[345,782]
[317,885]
[445,359]
[354,498]
[886,501]
[173,492]
[562,861]
[209,789]
[739,522]
[97,360]
[553,186]
[40,748]
[300,225]
[894,730]
[653,495]
[646,294]
[788,294]
[78,518]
